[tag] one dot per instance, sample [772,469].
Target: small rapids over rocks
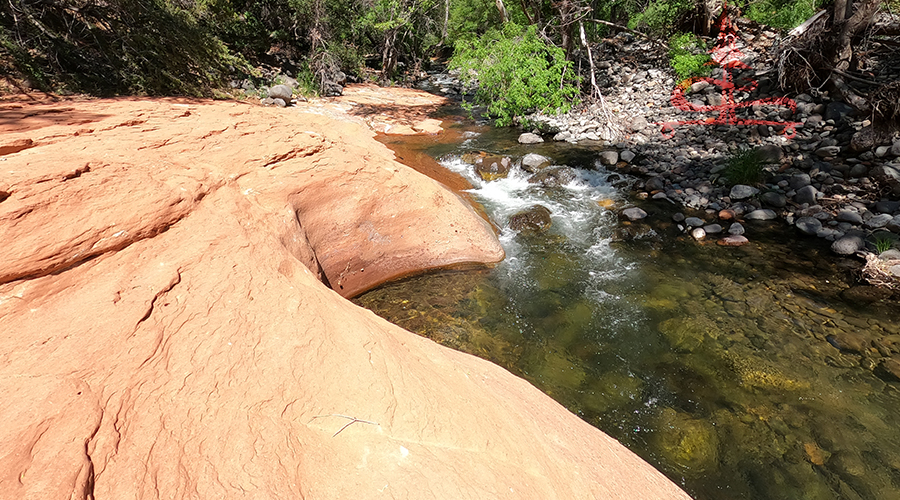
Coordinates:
[757,372]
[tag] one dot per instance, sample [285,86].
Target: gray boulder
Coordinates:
[626,156]
[806,194]
[849,216]
[773,199]
[609,157]
[736,229]
[634,213]
[529,138]
[655,184]
[848,244]
[533,162]
[282,92]
[742,192]
[799,180]
[694,222]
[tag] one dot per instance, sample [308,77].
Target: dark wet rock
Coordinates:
[864,139]
[736,229]
[742,192]
[849,216]
[712,228]
[734,240]
[554,177]
[798,181]
[773,199]
[886,175]
[858,170]
[626,156]
[634,213]
[848,244]
[866,294]
[535,219]
[889,369]
[806,194]
[655,184]
[770,153]
[809,226]
[529,138]
[853,341]
[838,111]
[887,207]
[282,92]
[878,221]
[678,217]
[491,168]
[761,214]
[609,158]
[533,162]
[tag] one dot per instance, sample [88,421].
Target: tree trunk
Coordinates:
[504,16]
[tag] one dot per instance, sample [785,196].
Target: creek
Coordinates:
[741,373]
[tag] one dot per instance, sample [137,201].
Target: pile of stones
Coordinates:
[834,179]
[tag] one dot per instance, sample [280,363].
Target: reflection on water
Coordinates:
[719,365]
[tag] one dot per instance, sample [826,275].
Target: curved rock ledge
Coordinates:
[165,331]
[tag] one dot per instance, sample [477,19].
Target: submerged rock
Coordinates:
[535,219]
[491,168]
[554,177]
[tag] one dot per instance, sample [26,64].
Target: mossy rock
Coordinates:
[689,445]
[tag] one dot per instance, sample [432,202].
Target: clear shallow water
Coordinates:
[714,364]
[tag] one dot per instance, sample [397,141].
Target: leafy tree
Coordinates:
[516,72]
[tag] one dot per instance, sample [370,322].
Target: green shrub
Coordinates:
[688,56]
[744,167]
[516,73]
[660,15]
[782,13]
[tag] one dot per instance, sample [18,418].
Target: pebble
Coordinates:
[698,233]
[736,229]
[849,216]
[694,222]
[806,194]
[773,199]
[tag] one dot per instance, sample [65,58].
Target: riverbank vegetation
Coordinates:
[207,47]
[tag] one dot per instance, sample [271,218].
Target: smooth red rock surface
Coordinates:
[164,332]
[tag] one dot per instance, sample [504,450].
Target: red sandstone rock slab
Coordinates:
[164,332]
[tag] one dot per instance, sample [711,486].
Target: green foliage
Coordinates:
[744,167]
[883,241]
[660,15]
[516,72]
[688,56]
[114,47]
[782,13]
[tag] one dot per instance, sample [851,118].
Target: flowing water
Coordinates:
[720,366]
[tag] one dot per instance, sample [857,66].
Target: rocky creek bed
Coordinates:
[760,371]
[825,171]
